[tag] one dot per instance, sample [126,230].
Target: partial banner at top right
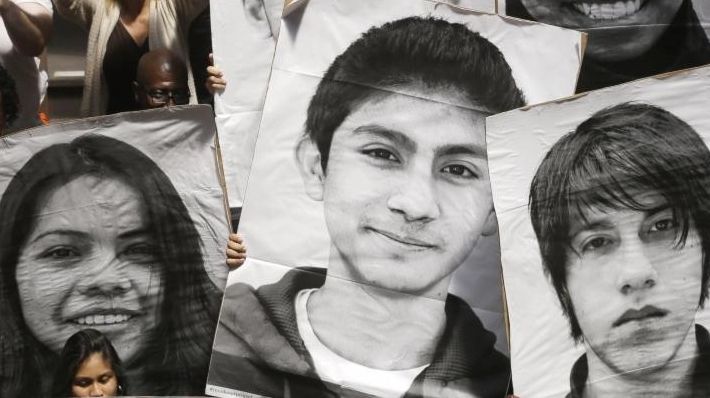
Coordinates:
[628,40]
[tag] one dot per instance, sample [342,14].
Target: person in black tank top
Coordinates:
[120,67]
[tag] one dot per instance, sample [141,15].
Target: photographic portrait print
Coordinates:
[603,231]
[103,227]
[628,40]
[398,208]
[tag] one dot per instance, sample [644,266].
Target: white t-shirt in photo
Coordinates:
[335,369]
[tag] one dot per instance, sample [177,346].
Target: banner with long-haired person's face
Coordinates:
[111,255]
[603,204]
[373,264]
[628,40]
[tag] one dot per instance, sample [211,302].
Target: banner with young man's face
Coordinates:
[604,215]
[104,228]
[244,43]
[373,262]
[628,40]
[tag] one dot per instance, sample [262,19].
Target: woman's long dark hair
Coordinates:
[175,358]
[78,348]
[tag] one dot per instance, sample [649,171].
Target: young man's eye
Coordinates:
[380,153]
[459,170]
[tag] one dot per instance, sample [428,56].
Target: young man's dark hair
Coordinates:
[428,51]
[8,99]
[619,152]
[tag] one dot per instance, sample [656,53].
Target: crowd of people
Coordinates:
[145,54]
[140,55]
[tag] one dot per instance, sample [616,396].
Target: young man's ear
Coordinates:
[308,159]
[491,225]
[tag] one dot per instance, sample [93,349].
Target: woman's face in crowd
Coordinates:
[90,262]
[94,378]
[618,30]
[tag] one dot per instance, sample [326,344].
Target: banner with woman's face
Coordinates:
[104,227]
[628,40]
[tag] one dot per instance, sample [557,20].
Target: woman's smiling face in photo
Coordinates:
[618,30]
[90,261]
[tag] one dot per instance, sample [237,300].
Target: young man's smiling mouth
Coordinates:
[607,9]
[407,241]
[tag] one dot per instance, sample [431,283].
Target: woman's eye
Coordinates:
[105,379]
[82,382]
[141,249]
[459,170]
[380,154]
[595,244]
[61,253]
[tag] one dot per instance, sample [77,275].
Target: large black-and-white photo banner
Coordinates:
[629,39]
[602,203]
[373,264]
[110,245]
[244,35]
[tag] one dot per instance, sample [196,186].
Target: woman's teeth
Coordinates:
[102,319]
[607,11]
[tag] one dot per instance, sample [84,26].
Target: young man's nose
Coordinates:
[415,199]
[635,268]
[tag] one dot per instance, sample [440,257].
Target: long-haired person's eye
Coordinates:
[666,224]
[61,252]
[459,171]
[596,243]
[380,153]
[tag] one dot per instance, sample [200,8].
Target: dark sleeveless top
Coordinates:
[120,67]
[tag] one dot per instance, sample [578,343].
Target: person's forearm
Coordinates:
[28,33]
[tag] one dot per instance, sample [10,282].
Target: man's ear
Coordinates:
[308,159]
[491,225]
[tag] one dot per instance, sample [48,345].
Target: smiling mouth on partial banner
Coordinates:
[607,10]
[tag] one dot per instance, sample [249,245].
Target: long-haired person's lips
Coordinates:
[644,313]
[608,10]
[405,240]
